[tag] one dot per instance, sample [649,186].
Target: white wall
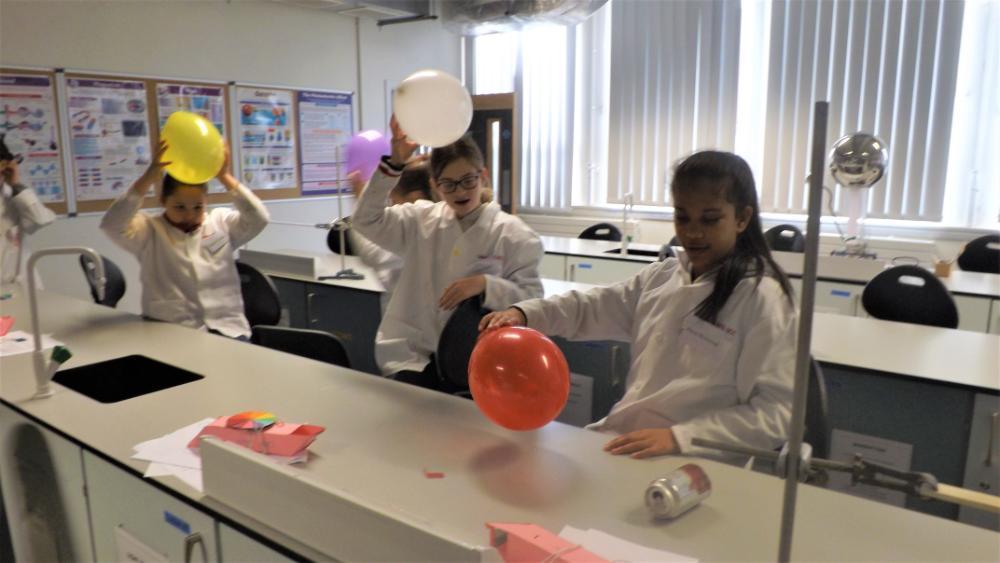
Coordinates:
[247,41]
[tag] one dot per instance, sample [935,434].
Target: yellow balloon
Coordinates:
[195,149]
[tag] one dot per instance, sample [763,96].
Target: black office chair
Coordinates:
[787,238]
[458,338]
[313,344]
[333,241]
[261,304]
[667,251]
[114,281]
[602,231]
[817,433]
[981,255]
[910,294]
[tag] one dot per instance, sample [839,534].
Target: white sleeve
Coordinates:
[123,223]
[388,227]
[248,217]
[519,279]
[601,313]
[31,212]
[377,258]
[765,373]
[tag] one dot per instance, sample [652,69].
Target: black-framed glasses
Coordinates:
[468,182]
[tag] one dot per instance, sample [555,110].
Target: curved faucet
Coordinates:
[42,376]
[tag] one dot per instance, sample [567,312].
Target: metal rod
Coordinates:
[802,356]
[735,448]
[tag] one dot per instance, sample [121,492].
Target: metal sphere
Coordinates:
[858,160]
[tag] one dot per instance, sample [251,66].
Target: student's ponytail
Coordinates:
[751,255]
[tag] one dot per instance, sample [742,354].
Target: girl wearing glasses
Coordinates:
[453,250]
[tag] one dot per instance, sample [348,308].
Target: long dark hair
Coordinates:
[751,256]
[415,178]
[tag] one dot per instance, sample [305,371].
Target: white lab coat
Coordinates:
[20,215]
[387,266]
[436,253]
[729,382]
[189,278]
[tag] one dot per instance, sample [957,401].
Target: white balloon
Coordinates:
[432,107]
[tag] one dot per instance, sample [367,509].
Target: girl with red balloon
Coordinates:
[457,248]
[712,331]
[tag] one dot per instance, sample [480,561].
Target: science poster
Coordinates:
[28,124]
[326,121]
[267,138]
[109,132]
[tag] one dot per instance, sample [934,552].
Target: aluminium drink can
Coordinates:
[678,492]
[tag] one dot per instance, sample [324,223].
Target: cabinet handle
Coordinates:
[309,309]
[994,418]
[189,543]
[572,272]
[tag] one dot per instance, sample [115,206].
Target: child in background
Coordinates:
[712,331]
[413,186]
[455,249]
[186,255]
[21,213]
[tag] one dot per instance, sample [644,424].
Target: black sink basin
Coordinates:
[123,378]
[634,252]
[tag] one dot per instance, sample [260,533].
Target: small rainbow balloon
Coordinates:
[253,420]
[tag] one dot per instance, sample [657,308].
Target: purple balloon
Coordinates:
[364,152]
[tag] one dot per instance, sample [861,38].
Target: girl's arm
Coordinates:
[519,280]
[31,213]
[601,313]
[765,373]
[388,227]
[249,216]
[122,222]
[379,259]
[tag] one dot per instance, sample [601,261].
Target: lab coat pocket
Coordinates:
[704,347]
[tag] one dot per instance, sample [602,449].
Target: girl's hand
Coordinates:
[402,147]
[153,173]
[225,174]
[644,443]
[460,290]
[508,317]
[357,184]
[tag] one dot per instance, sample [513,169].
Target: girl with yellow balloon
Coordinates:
[186,253]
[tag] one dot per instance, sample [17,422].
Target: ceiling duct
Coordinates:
[370,9]
[478,17]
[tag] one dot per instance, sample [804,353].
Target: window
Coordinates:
[650,82]
[538,59]
[887,68]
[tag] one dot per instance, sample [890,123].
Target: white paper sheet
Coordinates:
[170,455]
[20,342]
[616,549]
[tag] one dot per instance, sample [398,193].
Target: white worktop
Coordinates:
[831,268]
[381,435]
[960,357]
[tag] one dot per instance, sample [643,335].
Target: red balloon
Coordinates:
[518,378]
